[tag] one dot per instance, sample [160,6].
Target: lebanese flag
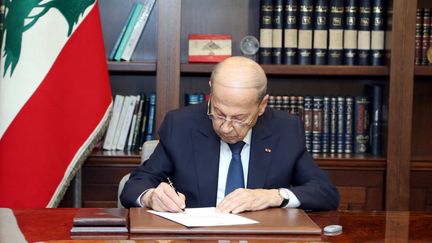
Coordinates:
[55,98]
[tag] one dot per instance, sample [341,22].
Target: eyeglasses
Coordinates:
[223,119]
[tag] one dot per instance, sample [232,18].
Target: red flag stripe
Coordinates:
[56,121]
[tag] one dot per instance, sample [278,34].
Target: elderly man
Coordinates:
[233,153]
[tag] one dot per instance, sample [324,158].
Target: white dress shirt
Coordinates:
[224,162]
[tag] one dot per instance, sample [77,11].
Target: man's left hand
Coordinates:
[244,199]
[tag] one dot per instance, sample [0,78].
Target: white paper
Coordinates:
[197,217]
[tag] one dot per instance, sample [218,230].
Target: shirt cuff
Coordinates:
[293,200]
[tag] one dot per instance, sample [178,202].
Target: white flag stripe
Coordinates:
[27,76]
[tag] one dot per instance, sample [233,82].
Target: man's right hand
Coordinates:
[164,198]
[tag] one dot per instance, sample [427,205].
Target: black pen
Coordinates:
[172,186]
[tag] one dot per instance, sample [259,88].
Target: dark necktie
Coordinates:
[235,177]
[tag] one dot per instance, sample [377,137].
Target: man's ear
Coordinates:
[263,104]
[210,83]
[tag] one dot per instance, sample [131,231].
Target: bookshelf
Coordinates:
[395,181]
[421,133]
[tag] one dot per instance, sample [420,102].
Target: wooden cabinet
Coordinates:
[393,181]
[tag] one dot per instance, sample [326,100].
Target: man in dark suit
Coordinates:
[196,151]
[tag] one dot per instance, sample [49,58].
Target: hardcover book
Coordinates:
[308,120]
[290,33]
[340,125]
[364,32]
[266,31]
[376,94]
[349,112]
[325,145]
[336,24]
[101,220]
[277,34]
[137,30]
[361,125]
[128,32]
[317,125]
[333,124]
[418,37]
[112,127]
[305,32]
[377,39]
[350,33]
[209,47]
[320,32]
[426,32]
[151,117]
[122,33]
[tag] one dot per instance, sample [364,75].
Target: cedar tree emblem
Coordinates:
[21,15]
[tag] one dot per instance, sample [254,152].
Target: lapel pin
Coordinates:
[268,150]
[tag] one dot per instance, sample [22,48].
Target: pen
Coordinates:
[172,186]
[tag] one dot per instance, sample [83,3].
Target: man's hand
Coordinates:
[164,198]
[242,200]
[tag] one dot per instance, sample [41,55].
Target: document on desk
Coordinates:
[199,217]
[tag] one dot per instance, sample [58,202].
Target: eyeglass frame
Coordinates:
[234,123]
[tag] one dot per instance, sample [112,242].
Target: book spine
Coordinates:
[137,30]
[131,134]
[144,122]
[151,117]
[266,32]
[277,34]
[364,32]
[325,145]
[430,41]
[292,105]
[300,107]
[376,120]
[336,32]
[308,119]
[122,32]
[109,137]
[350,33]
[361,125]
[349,112]
[137,127]
[320,32]
[122,142]
[290,32]
[333,124]
[418,37]
[340,125]
[286,105]
[119,126]
[128,32]
[377,35]
[425,35]
[317,124]
[278,102]
[305,32]
[271,102]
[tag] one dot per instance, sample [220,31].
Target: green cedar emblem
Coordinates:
[19,18]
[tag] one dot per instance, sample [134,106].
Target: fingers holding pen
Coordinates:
[165,198]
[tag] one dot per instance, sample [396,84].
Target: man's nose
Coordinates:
[226,126]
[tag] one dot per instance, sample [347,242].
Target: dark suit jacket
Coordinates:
[188,153]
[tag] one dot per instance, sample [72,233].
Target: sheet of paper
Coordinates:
[198,217]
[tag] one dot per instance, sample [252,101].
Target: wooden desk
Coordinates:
[54,224]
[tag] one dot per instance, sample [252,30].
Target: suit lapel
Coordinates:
[262,145]
[206,154]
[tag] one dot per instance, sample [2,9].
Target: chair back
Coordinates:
[147,149]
